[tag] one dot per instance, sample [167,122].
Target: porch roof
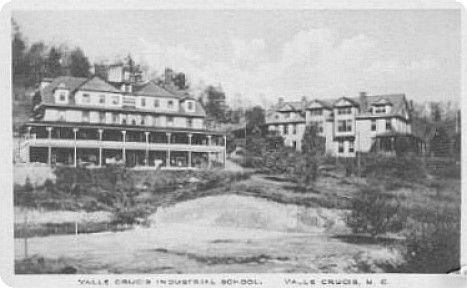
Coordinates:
[121,127]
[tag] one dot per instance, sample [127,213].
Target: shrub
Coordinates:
[404,168]
[374,212]
[128,216]
[433,245]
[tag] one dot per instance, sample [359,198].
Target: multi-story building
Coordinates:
[349,125]
[89,121]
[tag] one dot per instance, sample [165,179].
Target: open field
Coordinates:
[236,222]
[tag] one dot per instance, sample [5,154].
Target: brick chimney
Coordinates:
[280,101]
[363,102]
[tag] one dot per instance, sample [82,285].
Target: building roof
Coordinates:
[398,102]
[65,82]
[97,84]
[151,89]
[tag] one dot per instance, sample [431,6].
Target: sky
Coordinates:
[258,56]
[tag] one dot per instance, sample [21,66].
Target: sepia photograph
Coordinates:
[206,141]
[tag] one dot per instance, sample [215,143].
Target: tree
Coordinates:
[215,105]
[18,48]
[255,119]
[53,63]
[435,111]
[313,148]
[35,63]
[180,81]
[374,212]
[440,144]
[79,66]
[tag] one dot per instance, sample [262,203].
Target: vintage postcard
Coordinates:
[188,144]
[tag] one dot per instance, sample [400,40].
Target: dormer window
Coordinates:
[379,109]
[316,112]
[62,96]
[344,111]
[190,106]
[170,104]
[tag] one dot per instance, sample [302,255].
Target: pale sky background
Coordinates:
[262,55]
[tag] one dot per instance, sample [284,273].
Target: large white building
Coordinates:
[349,125]
[90,121]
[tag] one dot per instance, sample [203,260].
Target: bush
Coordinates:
[374,212]
[404,168]
[433,246]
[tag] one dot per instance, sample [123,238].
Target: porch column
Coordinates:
[209,153]
[75,162]
[29,132]
[100,146]
[168,150]
[225,150]
[147,148]
[189,151]
[49,156]
[124,147]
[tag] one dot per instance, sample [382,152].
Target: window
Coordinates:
[102,99]
[86,98]
[156,103]
[85,117]
[294,144]
[102,117]
[115,100]
[316,112]
[114,118]
[320,127]
[388,125]
[154,121]
[286,129]
[143,121]
[345,110]
[379,109]
[143,102]
[190,106]
[344,125]
[294,129]
[287,115]
[62,96]
[170,120]
[341,147]
[133,121]
[123,119]
[61,116]
[351,146]
[170,104]
[189,122]
[373,125]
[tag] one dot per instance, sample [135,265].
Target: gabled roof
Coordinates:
[66,82]
[97,84]
[398,101]
[353,101]
[151,89]
[290,106]
[321,102]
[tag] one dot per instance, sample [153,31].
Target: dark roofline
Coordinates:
[355,103]
[118,109]
[121,127]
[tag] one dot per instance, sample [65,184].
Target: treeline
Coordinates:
[33,61]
